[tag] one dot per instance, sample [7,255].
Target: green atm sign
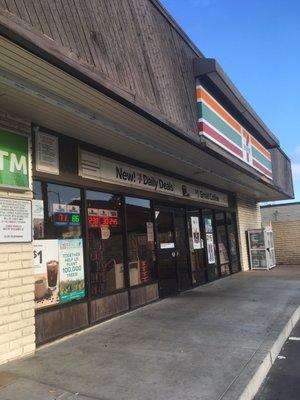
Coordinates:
[14,162]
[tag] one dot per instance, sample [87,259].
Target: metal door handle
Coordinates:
[177,253]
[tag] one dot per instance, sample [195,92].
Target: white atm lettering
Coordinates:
[18,165]
[2,155]
[15,164]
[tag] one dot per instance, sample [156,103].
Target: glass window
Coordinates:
[104,213]
[232,240]
[58,246]
[212,270]
[222,243]
[140,236]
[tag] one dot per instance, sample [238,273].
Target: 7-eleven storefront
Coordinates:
[103,211]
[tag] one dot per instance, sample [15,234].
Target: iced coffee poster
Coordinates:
[71,270]
[46,264]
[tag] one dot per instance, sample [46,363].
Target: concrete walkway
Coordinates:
[204,344]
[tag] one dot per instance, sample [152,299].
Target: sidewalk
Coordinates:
[204,344]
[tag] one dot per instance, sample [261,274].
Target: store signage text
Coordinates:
[100,168]
[14,160]
[15,221]
[144,179]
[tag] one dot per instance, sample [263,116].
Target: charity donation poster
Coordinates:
[71,270]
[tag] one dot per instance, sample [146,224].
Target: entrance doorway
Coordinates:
[172,251]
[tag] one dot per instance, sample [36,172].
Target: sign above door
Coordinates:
[94,166]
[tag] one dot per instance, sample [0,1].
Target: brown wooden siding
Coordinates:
[108,306]
[55,323]
[129,42]
[143,295]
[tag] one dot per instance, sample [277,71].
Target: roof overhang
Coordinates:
[38,91]
[209,68]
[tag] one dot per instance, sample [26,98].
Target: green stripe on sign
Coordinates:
[211,117]
[261,158]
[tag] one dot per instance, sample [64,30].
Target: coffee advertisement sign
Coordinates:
[46,265]
[59,271]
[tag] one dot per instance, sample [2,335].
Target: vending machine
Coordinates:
[261,248]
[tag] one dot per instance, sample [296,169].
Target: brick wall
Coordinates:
[287,242]
[17,333]
[248,217]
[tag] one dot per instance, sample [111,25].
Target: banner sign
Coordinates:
[59,271]
[46,271]
[196,238]
[100,168]
[14,160]
[219,126]
[15,221]
[71,270]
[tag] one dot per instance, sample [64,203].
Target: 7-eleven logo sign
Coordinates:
[247,148]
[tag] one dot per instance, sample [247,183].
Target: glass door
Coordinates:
[166,253]
[182,251]
[222,243]
[232,242]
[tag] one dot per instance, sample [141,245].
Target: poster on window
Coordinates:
[208,225]
[210,248]
[46,268]
[196,239]
[38,218]
[71,270]
[150,232]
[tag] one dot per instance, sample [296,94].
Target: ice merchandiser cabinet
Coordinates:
[261,248]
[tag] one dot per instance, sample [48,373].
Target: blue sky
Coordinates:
[257,43]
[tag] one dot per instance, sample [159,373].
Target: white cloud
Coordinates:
[296,171]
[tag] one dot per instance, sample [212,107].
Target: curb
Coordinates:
[248,383]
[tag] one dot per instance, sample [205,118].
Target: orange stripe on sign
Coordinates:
[202,94]
[260,148]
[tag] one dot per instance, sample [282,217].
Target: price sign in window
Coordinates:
[66,219]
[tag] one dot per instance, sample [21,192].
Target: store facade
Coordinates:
[110,236]
[125,176]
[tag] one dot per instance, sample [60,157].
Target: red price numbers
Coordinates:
[109,221]
[93,221]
